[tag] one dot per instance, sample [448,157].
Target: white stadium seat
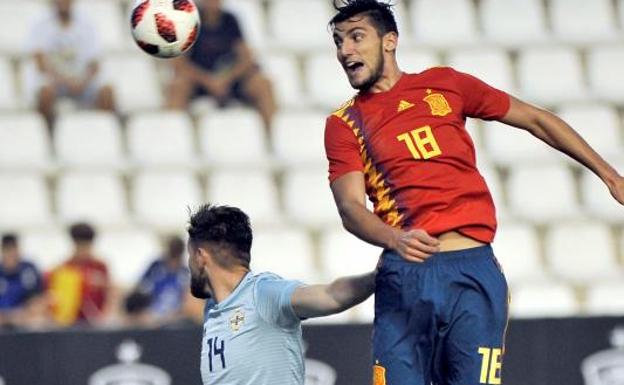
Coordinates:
[308,199]
[582,252]
[402,18]
[8,91]
[111,26]
[252,20]
[551,75]
[233,137]
[605,298]
[597,200]
[605,76]
[128,253]
[542,193]
[252,191]
[599,125]
[513,22]
[286,252]
[97,198]
[48,247]
[326,82]
[431,26]
[16,27]
[135,82]
[507,145]
[583,21]
[283,71]
[24,201]
[415,61]
[88,139]
[163,199]
[343,254]
[548,299]
[310,30]
[298,138]
[161,139]
[493,66]
[24,142]
[517,248]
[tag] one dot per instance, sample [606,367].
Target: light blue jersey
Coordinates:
[253,337]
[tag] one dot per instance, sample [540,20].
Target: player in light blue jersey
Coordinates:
[252,328]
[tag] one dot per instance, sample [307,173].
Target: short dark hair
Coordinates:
[379,12]
[9,240]
[82,232]
[222,229]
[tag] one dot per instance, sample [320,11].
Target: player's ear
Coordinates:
[390,41]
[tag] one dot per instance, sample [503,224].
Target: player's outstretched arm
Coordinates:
[343,293]
[558,134]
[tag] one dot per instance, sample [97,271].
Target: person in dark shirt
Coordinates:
[220,64]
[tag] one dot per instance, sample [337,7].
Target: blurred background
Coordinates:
[124,169]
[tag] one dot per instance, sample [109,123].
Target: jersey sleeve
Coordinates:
[272,297]
[341,148]
[480,99]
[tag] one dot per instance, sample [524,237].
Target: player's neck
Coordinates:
[226,281]
[391,75]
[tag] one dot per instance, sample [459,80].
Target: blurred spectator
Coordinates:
[165,283]
[79,287]
[221,65]
[20,287]
[66,50]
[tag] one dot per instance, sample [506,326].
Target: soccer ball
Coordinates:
[164,28]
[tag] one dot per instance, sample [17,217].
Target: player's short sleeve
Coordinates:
[273,300]
[341,148]
[480,99]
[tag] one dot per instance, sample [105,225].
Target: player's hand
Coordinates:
[617,189]
[416,245]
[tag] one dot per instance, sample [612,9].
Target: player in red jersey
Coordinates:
[441,299]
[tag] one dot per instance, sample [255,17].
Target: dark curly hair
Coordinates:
[379,12]
[224,230]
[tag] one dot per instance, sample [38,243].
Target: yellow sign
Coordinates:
[404,105]
[438,104]
[379,375]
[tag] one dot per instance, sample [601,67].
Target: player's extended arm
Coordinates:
[349,194]
[343,293]
[559,135]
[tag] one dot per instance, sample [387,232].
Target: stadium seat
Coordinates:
[548,299]
[298,138]
[251,19]
[253,191]
[415,61]
[88,139]
[326,82]
[24,201]
[605,298]
[97,198]
[604,65]
[233,137]
[430,22]
[551,75]
[542,193]
[599,125]
[517,248]
[286,252]
[513,22]
[308,33]
[582,253]
[402,17]
[111,26]
[15,29]
[507,145]
[343,254]
[308,199]
[135,82]
[161,139]
[47,248]
[493,66]
[8,91]
[128,253]
[283,70]
[583,21]
[163,199]
[24,142]
[597,200]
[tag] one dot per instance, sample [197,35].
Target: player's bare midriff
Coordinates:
[452,240]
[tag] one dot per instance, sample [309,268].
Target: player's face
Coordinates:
[359,50]
[200,282]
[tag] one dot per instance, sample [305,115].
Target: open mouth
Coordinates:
[353,67]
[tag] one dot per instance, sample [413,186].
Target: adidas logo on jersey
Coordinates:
[404,105]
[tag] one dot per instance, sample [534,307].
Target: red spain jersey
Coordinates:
[418,160]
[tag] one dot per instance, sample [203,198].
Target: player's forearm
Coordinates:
[367,226]
[347,292]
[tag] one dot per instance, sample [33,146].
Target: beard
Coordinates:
[198,287]
[375,75]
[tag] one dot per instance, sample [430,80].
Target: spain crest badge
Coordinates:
[438,104]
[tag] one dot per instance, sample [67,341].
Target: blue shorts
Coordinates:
[442,321]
